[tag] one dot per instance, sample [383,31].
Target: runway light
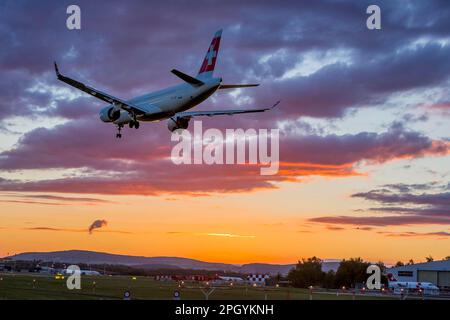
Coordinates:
[343,288]
[134,278]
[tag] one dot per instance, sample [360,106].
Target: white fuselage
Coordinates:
[412,285]
[165,103]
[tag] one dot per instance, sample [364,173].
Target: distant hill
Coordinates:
[263,268]
[91,257]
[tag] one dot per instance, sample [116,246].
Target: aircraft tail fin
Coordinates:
[209,62]
[391,277]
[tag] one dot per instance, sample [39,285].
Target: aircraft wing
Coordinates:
[222,112]
[100,95]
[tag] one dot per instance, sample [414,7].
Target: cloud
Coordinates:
[148,171]
[31,202]
[380,196]
[382,221]
[439,234]
[259,44]
[229,235]
[335,228]
[53,229]
[364,228]
[53,200]
[405,204]
[210,234]
[97,224]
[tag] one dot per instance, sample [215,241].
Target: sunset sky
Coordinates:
[364,130]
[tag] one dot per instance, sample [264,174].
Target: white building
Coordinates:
[435,272]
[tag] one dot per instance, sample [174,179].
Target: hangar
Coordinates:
[436,272]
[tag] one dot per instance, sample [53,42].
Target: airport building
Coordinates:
[436,272]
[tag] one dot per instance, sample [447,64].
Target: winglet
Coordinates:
[57,69]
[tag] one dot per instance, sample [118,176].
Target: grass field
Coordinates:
[32,286]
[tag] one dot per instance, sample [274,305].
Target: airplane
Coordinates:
[400,286]
[170,103]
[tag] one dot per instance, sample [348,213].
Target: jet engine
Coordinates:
[110,114]
[178,123]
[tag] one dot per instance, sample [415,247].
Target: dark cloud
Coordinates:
[403,187]
[396,142]
[380,196]
[381,221]
[128,49]
[97,224]
[404,204]
[142,160]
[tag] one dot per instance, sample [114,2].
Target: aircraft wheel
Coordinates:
[136,125]
[131,124]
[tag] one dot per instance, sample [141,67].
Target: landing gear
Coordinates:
[119,129]
[131,124]
[134,124]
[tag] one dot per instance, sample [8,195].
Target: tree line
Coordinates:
[308,272]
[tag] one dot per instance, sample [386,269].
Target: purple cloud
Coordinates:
[403,206]
[128,49]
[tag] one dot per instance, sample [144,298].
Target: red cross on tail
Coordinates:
[207,68]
